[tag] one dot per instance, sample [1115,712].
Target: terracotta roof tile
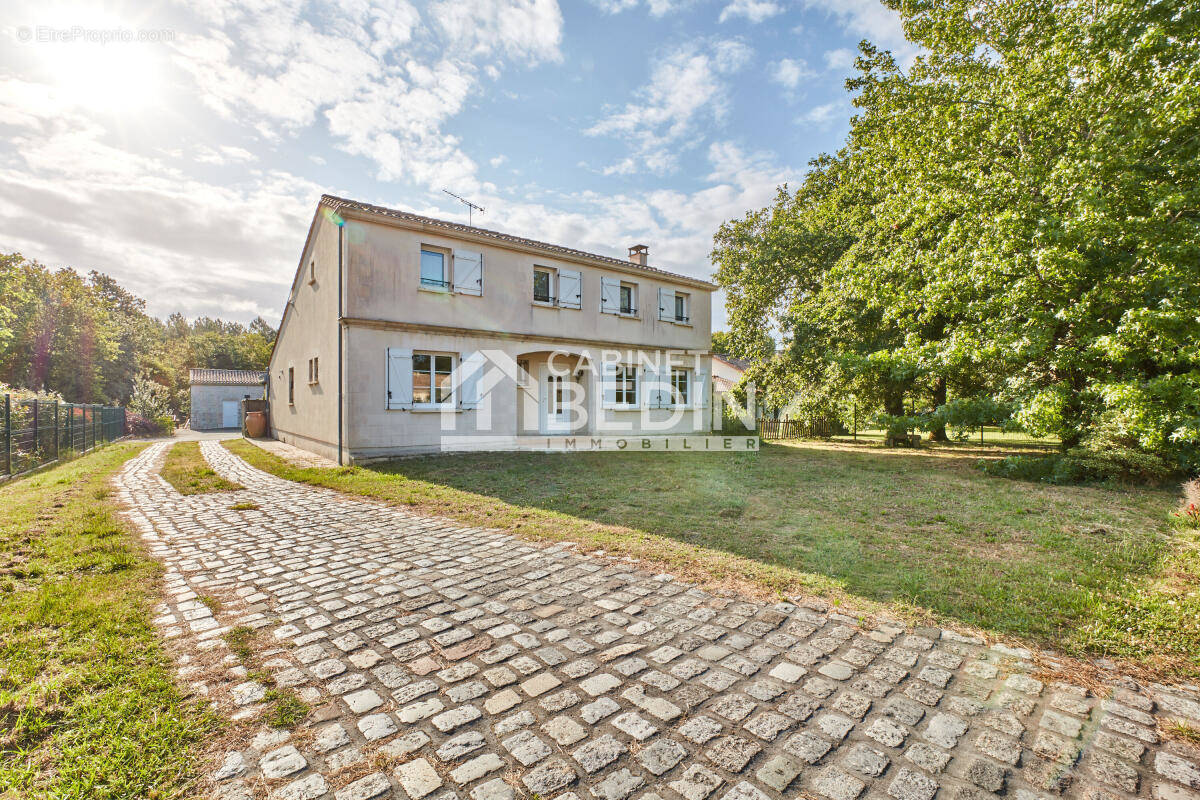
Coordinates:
[226,377]
[335,203]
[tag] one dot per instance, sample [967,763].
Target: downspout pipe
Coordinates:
[341,316]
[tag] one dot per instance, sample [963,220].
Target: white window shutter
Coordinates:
[610,295]
[470,370]
[399,377]
[651,394]
[609,385]
[570,292]
[699,389]
[468,272]
[666,304]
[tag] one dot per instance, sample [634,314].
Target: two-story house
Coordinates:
[406,334]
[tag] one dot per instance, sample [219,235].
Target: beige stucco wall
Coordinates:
[376,431]
[207,403]
[309,329]
[385,307]
[383,269]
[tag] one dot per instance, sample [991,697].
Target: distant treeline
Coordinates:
[89,340]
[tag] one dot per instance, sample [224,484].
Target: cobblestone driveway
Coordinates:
[452,662]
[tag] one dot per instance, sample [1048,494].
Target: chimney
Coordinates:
[639,254]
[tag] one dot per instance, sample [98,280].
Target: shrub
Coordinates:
[137,425]
[1085,464]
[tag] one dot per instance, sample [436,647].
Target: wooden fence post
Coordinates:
[8,434]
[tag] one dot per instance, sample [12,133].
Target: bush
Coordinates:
[1085,464]
[137,425]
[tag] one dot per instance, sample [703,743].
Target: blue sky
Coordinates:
[181,147]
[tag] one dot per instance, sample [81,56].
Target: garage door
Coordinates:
[229,414]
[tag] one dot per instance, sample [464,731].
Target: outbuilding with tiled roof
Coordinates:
[217,396]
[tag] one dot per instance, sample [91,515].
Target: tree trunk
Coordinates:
[937,432]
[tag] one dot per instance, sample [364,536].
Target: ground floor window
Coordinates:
[431,378]
[626,386]
[680,383]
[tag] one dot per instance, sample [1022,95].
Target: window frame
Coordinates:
[291,386]
[678,397]
[551,285]
[681,308]
[429,284]
[451,397]
[632,309]
[625,384]
[314,371]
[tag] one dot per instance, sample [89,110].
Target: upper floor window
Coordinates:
[628,299]
[314,370]
[543,286]
[431,381]
[681,307]
[433,269]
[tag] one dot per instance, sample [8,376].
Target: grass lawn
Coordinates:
[189,473]
[1086,570]
[88,705]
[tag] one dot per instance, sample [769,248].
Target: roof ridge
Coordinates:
[337,202]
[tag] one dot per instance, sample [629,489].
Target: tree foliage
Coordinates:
[89,340]
[1014,217]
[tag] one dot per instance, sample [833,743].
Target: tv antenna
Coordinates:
[471,207]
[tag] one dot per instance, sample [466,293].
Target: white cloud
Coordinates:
[869,19]
[823,116]
[527,30]
[841,58]
[497,161]
[685,88]
[788,72]
[657,8]
[224,154]
[755,11]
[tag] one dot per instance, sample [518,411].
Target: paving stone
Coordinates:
[945,730]
[526,747]
[495,789]
[999,747]
[564,730]
[376,726]
[886,732]
[732,753]
[662,756]
[927,757]
[458,746]
[372,785]
[548,776]
[837,785]
[866,760]
[808,747]
[418,778]
[598,753]
[282,762]
[633,724]
[986,774]
[617,785]
[744,791]
[309,787]
[455,718]
[1112,772]
[779,772]
[700,729]
[697,783]
[910,785]
[1177,769]
[476,768]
